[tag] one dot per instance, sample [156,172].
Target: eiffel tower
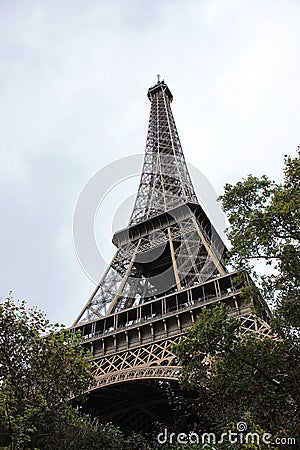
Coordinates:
[168,265]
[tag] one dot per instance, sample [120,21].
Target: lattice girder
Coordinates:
[180,249]
[165,181]
[168,265]
[176,254]
[156,359]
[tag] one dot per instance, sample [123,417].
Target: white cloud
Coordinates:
[73,83]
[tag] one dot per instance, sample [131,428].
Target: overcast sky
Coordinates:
[73,82]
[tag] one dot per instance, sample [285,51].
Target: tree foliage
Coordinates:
[42,366]
[264,219]
[240,375]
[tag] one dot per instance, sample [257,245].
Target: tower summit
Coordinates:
[168,265]
[165,181]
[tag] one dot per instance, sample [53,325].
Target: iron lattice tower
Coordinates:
[169,263]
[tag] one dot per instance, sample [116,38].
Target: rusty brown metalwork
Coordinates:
[169,264]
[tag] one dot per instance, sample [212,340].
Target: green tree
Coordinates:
[264,219]
[239,374]
[42,366]
[235,374]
